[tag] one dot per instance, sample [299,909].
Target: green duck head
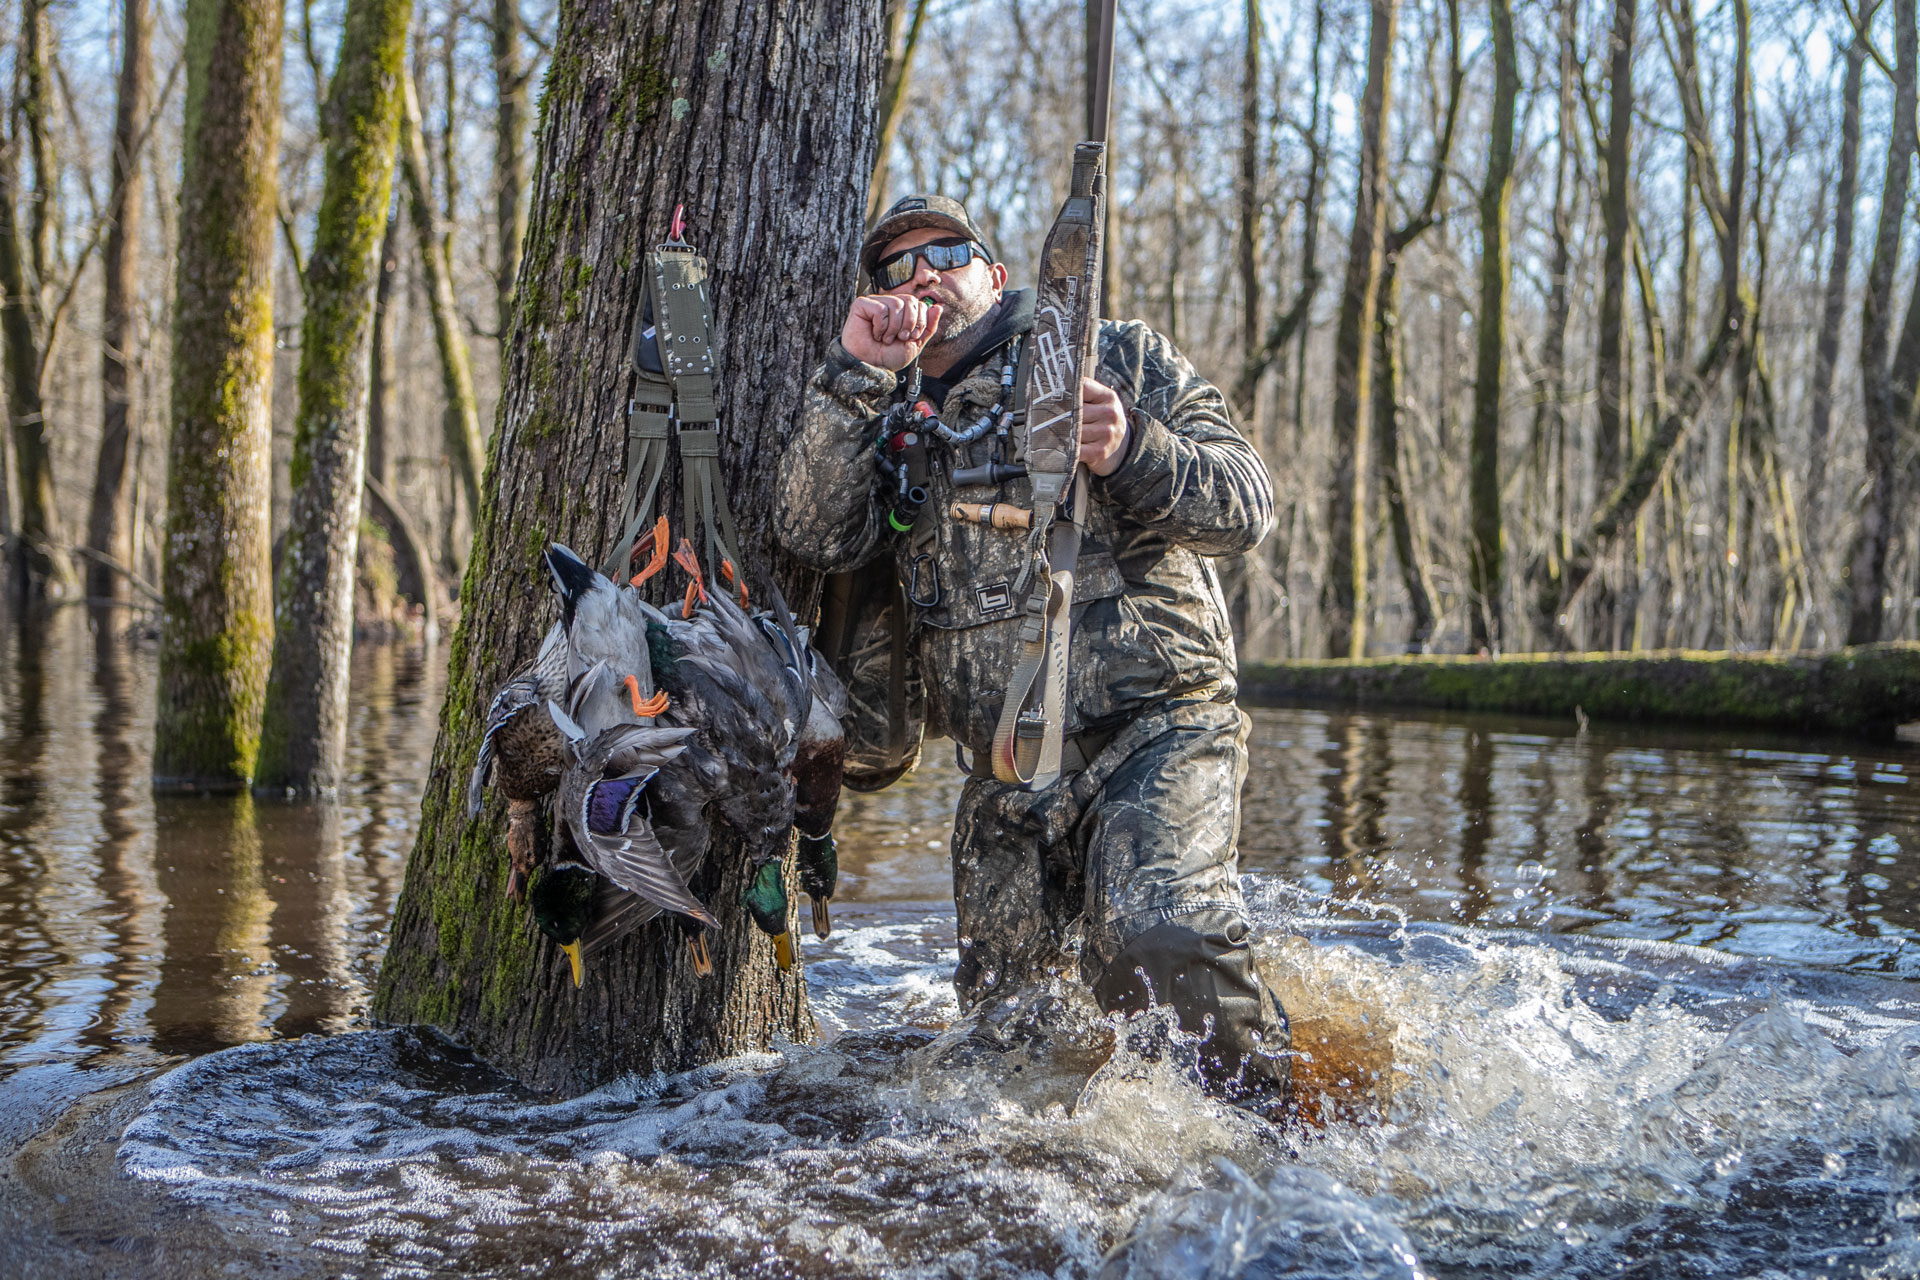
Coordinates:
[562,902]
[766,902]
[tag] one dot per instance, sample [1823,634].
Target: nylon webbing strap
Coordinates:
[649,414]
[706,496]
[673,362]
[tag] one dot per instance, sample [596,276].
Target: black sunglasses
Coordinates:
[896,269]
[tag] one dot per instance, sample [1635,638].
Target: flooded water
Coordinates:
[1621,1002]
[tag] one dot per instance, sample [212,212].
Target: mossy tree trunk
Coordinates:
[216,631]
[303,742]
[1483,451]
[110,518]
[759,118]
[1349,514]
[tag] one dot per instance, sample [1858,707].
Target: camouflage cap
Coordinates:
[910,214]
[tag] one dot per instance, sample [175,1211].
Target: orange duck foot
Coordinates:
[655,547]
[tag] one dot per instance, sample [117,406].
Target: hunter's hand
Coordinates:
[888,330]
[1103,428]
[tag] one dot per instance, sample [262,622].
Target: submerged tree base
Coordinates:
[1869,689]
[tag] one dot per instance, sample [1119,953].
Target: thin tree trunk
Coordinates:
[509,156]
[1345,586]
[1309,236]
[216,633]
[303,738]
[1386,350]
[1483,456]
[1247,196]
[894,78]
[39,558]
[1885,415]
[463,956]
[460,420]
[1386,431]
[1612,356]
[1834,307]
[1547,442]
[380,419]
[110,520]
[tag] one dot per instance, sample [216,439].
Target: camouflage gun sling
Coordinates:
[1066,326]
[673,362]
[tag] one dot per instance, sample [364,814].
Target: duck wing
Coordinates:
[602,794]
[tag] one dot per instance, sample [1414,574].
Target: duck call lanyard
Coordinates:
[673,364]
[1027,741]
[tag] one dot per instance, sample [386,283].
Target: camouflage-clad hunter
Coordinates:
[1138,834]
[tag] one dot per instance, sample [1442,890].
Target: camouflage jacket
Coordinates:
[1149,619]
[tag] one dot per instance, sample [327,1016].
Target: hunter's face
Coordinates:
[965,294]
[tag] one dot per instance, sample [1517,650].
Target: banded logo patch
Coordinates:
[994,597]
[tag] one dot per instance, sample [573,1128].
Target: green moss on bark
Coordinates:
[216,633]
[1868,690]
[304,738]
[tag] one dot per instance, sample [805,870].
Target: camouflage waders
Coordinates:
[1139,835]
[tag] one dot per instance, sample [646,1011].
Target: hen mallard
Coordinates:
[522,752]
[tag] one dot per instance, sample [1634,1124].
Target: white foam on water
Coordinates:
[1546,1112]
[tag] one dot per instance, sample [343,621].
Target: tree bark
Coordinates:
[1386,424]
[1247,196]
[1483,451]
[380,445]
[764,147]
[893,92]
[1880,382]
[1834,307]
[1547,453]
[216,633]
[110,519]
[509,156]
[460,419]
[38,557]
[303,739]
[1345,586]
[1611,357]
[1386,351]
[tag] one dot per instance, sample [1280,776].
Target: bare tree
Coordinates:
[1886,383]
[1483,466]
[303,744]
[216,631]
[1345,586]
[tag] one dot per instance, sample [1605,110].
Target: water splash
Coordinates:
[1481,1106]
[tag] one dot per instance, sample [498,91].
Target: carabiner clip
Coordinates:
[933,575]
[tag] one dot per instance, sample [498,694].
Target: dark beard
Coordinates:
[960,329]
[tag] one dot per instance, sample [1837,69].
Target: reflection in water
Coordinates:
[1569,1096]
[131,926]
[214,984]
[1476,824]
[121,727]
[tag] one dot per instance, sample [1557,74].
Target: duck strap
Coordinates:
[1027,741]
[673,361]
